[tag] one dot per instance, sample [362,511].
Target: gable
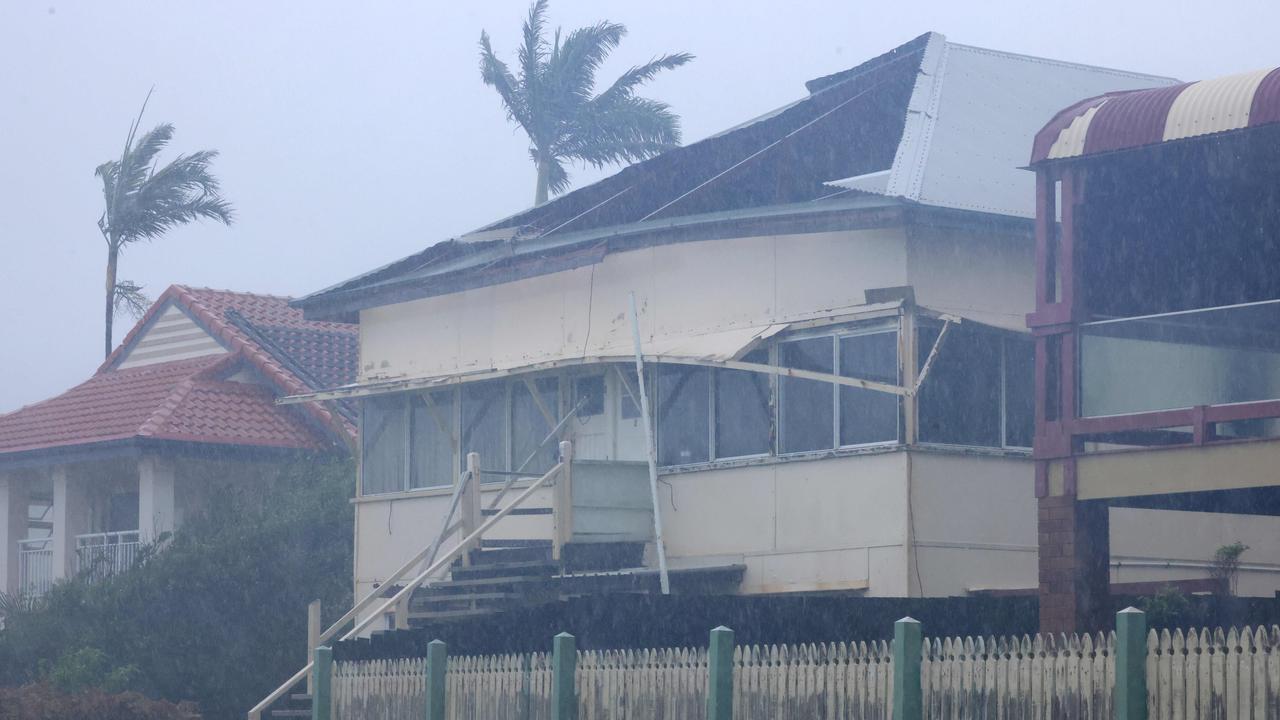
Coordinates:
[171,334]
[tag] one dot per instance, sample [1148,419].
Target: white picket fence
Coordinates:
[1190,676]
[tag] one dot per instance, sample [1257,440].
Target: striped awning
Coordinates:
[1119,121]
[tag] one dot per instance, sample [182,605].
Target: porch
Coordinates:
[81,520]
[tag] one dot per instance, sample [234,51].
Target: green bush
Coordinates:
[42,702]
[217,616]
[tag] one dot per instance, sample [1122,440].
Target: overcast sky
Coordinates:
[354,133]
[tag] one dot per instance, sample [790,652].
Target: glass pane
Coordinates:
[484,426]
[683,422]
[743,410]
[382,459]
[432,454]
[1019,391]
[960,398]
[869,416]
[806,419]
[588,392]
[529,426]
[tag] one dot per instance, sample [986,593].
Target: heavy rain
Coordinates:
[560,360]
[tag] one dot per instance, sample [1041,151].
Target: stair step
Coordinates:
[450,614]
[446,585]
[466,597]
[519,511]
[291,713]
[524,568]
[492,556]
[514,543]
[301,697]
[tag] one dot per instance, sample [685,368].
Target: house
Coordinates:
[828,304]
[1157,327]
[184,405]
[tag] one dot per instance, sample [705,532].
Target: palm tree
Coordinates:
[554,100]
[144,201]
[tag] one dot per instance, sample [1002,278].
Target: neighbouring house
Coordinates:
[830,307]
[185,405]
[1157,327]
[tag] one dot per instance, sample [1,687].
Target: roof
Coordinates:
[929,122]
[265,349]
[1124,120]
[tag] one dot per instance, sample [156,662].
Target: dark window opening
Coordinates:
[807,412]
[683,414]
[744,410]
[869,416]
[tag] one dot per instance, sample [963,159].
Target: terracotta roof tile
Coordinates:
[191,400]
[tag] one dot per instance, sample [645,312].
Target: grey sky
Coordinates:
[354,133]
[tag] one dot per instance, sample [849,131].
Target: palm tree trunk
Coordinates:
[544,180]
[113,254]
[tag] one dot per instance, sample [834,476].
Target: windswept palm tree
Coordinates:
[144,201]
[554,100]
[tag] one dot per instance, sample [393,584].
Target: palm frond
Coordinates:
[624,130]
[571,70]
[533,49]
[626,83]
[129,298]
[497,75]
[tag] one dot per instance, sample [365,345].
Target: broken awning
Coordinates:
[712,348]
[1124,120]
[721,348]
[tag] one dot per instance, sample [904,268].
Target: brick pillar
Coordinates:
[1075,561]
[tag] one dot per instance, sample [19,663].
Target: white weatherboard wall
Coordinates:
[975,522]
[681,290]
[829,524]
[1162,545]
[172,335]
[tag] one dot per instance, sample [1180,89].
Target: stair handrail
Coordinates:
[566,454]
[555,431]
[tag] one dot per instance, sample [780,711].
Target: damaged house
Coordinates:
[820,313]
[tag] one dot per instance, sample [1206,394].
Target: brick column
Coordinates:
[1075,558]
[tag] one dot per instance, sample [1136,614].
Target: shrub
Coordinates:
[217,617]
[43,702]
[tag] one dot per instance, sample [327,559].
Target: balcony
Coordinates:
[101,555]
[35,566]
[1184,377]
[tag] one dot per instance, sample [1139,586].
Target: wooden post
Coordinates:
[562,502]
[313,636]
[564,664]
[321,698]
[470,501]
[720,675]
[908,697]
[1131,665]
[437,662]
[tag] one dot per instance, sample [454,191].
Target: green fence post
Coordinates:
[564,662]
[437,662]
[720,675]
[908,698]
[322,670]
[1131,665]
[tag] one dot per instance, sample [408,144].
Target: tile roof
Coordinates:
[193,400]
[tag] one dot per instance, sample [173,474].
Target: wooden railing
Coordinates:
[468,488]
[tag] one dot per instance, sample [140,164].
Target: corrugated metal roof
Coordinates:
[969,120]
[1147,117]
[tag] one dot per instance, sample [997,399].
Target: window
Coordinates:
[684,414]
[806,417]
[980,389]
[589,393]
[1019,392]
[383,438]
[484,425]
[431,440]
[744,410]
[869,416]
[530,425]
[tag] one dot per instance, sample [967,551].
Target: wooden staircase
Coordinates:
[499,575]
